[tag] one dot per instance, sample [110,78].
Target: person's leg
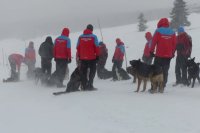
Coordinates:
[83,73]
[57,72]
[184,71]
[114,71]
[92,66]
[63,70]
[48,67]
[43,65]
[13,71]
[31,68]
[166,66]
[178,70]
[60,70]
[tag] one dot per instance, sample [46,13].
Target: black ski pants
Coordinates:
[61,67]
[181,69]
[118,65]
[46,66]
[165,64]
[87,66]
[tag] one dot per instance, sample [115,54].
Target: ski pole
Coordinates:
[125,56]
[100,29]
[3,57]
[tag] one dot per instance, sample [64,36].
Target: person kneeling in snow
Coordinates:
[15,61]
[102,72]
[117,71]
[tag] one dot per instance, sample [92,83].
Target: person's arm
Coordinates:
[154,42]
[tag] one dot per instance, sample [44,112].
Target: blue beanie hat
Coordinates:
[100,43]
[181,29]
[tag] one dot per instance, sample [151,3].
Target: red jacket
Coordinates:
[62,46]
[103,51]
[148,44]
[119,51]
[184,40]
[17,59]
[87,46]
[30,53]
[164,40]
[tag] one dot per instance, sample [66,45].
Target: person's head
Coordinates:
[180,30]
[163,22]
[89,27]
[31,44]
[101,43]
[148,36]
[49,39]
[65,32]
[118,41]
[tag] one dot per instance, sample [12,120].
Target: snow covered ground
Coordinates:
[114,108]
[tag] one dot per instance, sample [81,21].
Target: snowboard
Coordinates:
[60,92]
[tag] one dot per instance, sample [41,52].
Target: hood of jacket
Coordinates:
[65,32]
[87,31]
[148,36]
[164,22]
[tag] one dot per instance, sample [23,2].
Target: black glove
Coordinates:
[113,60]
[97,58]
[152,54]
[69,60]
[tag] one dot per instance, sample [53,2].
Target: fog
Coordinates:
[31,18]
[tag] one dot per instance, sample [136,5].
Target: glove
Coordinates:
[152,54]
[113,60]
[97,58]
[173,56]
[69,60]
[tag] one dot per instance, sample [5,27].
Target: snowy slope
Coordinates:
[114,108]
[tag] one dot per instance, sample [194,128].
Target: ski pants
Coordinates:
[46,66]
[181,69]
[118,65]
[87,66]
[61,67]
[14,75]
[165,64]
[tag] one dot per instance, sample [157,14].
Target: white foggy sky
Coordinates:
[21,15]
[20,10]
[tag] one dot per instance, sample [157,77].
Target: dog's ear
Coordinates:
[193,58]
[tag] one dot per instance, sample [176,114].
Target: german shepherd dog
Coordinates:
[193,71]
[132,71]
[38,75]
[144,72]
[75,81]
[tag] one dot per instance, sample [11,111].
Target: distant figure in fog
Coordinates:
[15,61]
[46,54]
[30,59]
[146,55]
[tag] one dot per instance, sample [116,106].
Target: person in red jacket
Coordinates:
[62,55]
[184,49]
[15,61]
[118,58]
[146,55]
[102,72]
[164,40]
[88,54]
[30,59]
